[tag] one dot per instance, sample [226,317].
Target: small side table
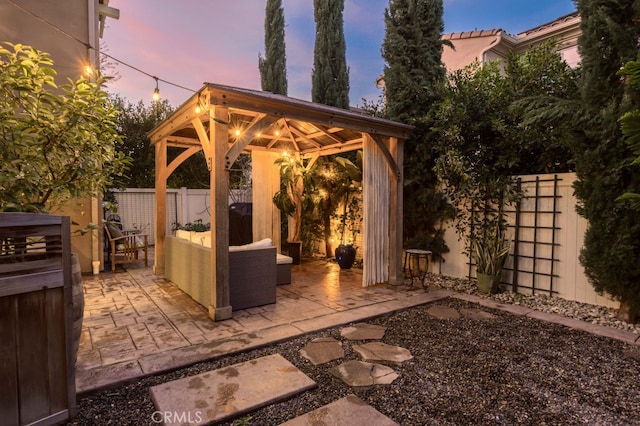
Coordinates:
[413,257]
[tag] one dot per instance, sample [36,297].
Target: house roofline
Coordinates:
[551,24]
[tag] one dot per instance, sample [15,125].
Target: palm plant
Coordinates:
[289,199]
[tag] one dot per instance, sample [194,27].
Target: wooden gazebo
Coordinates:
[225,121]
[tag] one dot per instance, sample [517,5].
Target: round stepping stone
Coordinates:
[477,314]
[358,373]
[443,312]
[378,351]
[322,350]
[363,331]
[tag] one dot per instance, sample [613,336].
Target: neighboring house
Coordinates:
[69,31]
[489,45]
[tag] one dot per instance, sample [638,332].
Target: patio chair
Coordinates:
[125,246]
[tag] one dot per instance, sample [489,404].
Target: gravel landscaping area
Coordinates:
[503,370]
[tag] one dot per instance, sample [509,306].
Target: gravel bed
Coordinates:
[583,311]
[506,370]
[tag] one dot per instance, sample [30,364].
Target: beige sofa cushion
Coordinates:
[266,242]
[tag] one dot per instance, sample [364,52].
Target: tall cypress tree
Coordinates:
[330,77]
[273,67]
[611,253]
[414,75]
[412,50]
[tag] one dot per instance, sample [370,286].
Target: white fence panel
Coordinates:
[137,207]
[569,280]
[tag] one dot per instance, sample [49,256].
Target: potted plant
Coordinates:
[350,220]
[489,254]
[57,143]
[289,199]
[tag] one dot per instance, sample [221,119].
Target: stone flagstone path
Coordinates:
[350,410]
[229,392]
[358,373]
[233,391]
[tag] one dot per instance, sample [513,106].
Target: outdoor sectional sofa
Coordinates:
[253,269]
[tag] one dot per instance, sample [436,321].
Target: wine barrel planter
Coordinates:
[38,284]
[78,302]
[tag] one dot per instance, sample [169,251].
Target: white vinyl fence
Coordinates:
[137,207]
[547,235]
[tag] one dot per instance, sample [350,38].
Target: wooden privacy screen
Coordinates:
[36,366]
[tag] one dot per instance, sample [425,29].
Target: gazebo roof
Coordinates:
[267,121]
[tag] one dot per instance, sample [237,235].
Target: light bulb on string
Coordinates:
[156,91]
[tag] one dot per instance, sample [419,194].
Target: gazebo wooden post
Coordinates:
[396,275]
[220,307]
[161,206]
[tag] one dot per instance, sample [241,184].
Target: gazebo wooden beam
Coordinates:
[388,156]
[306,111]
[396,274]
[182,158]
[204,140]
[161,205]
[245,139]
[220,307]
[338,148]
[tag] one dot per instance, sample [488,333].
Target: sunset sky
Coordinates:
[189,42]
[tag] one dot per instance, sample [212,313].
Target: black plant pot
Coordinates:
[295,251]
[345,255]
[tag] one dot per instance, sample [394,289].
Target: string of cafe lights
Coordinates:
[156,91]
[89,69]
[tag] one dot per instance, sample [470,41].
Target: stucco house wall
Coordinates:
[493,44]
[468,47]
[69,31]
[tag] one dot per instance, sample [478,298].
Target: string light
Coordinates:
[156,91]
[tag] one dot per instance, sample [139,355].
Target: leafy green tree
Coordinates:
[537,78]
[57,144]
[414,76]
[330,76]
[630,124]
[273,67]
[488,138]
[329,86]
[604,162]
[475,162]
[133,123]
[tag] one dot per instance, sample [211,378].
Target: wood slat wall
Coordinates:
[36,365]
